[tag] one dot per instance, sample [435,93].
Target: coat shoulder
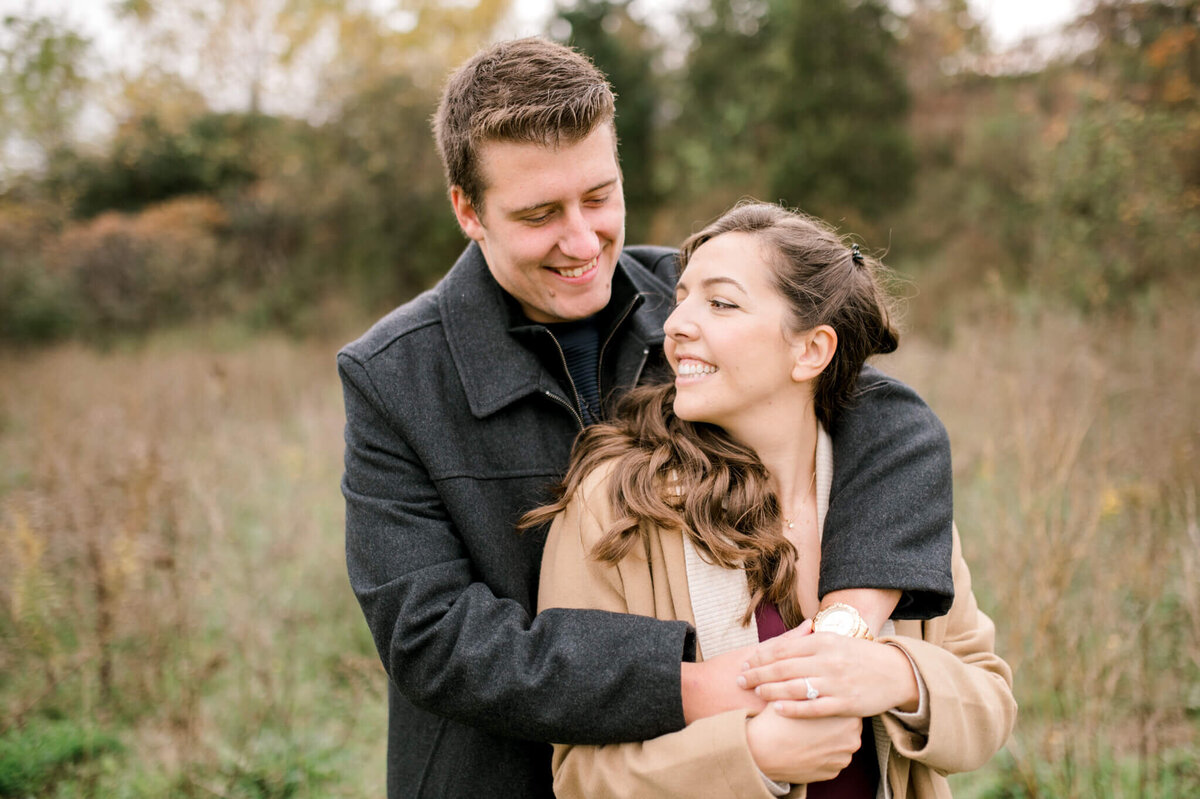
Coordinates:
[662,262]
[594,497]
[397,328]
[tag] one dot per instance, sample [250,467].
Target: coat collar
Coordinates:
[484,328]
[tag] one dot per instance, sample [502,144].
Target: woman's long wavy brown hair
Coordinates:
[671,473]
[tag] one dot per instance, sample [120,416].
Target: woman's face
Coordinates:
[727,338]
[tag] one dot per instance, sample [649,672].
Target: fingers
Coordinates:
[791,668]
[801,689]
[799,751]
[782,646]
[811,708]
[807,698]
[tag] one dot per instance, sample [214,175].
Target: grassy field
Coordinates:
[175,617]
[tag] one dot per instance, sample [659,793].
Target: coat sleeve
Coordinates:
[454,648]
[971,705]
[891,505]
[709,757]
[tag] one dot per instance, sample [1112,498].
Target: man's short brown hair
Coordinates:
[525,90]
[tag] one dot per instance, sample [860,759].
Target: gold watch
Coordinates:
[842,619]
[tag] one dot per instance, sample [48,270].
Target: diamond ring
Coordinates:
[813,693]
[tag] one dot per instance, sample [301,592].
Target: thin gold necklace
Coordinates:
[803,501]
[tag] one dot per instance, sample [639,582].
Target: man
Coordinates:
[461,408]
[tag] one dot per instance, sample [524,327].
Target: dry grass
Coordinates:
[172,536]
[1077,467]
[171,556]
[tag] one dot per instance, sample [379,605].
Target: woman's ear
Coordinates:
[814,350]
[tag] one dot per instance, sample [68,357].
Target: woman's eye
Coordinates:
[721,304]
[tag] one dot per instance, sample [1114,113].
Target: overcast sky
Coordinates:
[1008,20]
[1012,20]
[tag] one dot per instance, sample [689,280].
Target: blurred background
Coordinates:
[200,200]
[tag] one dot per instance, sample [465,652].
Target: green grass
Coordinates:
[37,756]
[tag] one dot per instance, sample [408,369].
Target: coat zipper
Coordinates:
[599,368]
[600,357]
[562,400]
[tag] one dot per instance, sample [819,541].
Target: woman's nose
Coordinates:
[678,326]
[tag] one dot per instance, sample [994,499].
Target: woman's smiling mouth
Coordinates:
[690,367]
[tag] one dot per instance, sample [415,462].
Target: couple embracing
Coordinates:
[650,506]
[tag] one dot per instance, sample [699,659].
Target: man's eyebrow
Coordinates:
[606,184]
[535,206]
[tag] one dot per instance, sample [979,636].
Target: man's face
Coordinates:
[552,224]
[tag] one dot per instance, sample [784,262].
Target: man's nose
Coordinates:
[579,239]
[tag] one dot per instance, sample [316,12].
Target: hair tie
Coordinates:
[855,255]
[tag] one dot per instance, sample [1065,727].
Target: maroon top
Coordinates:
[860,779]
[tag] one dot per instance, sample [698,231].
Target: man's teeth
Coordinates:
[578,271]
[695,368]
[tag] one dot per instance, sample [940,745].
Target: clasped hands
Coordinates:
[794,738]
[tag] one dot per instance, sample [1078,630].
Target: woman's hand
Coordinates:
[802,750]
[851,676]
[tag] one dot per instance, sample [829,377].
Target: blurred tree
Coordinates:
[147,162]
[939,42]
[625,49]
[238,50]
[1117,218]
[302,57]
[377,195]
[1122,219]
[42,83]
[165,96]
[795,101]
[1149,50]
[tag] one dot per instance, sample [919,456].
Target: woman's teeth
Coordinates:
[696,368]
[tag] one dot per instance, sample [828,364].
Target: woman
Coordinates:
[705,502]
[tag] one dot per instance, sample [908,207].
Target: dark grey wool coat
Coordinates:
[459,415]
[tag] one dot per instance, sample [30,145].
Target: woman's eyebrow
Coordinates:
[714,280]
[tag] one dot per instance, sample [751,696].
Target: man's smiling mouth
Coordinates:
[576,271]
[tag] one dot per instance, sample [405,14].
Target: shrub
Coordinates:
[1118,216]
[34,304]
[132,272]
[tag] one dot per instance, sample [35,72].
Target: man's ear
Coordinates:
[466,214]
[814,350]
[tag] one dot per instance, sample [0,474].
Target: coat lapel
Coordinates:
[479,320]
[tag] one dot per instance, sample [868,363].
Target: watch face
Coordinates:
[837,621]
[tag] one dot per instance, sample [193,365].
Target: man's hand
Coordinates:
[711,687]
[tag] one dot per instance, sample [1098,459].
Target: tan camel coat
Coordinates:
[969,688]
